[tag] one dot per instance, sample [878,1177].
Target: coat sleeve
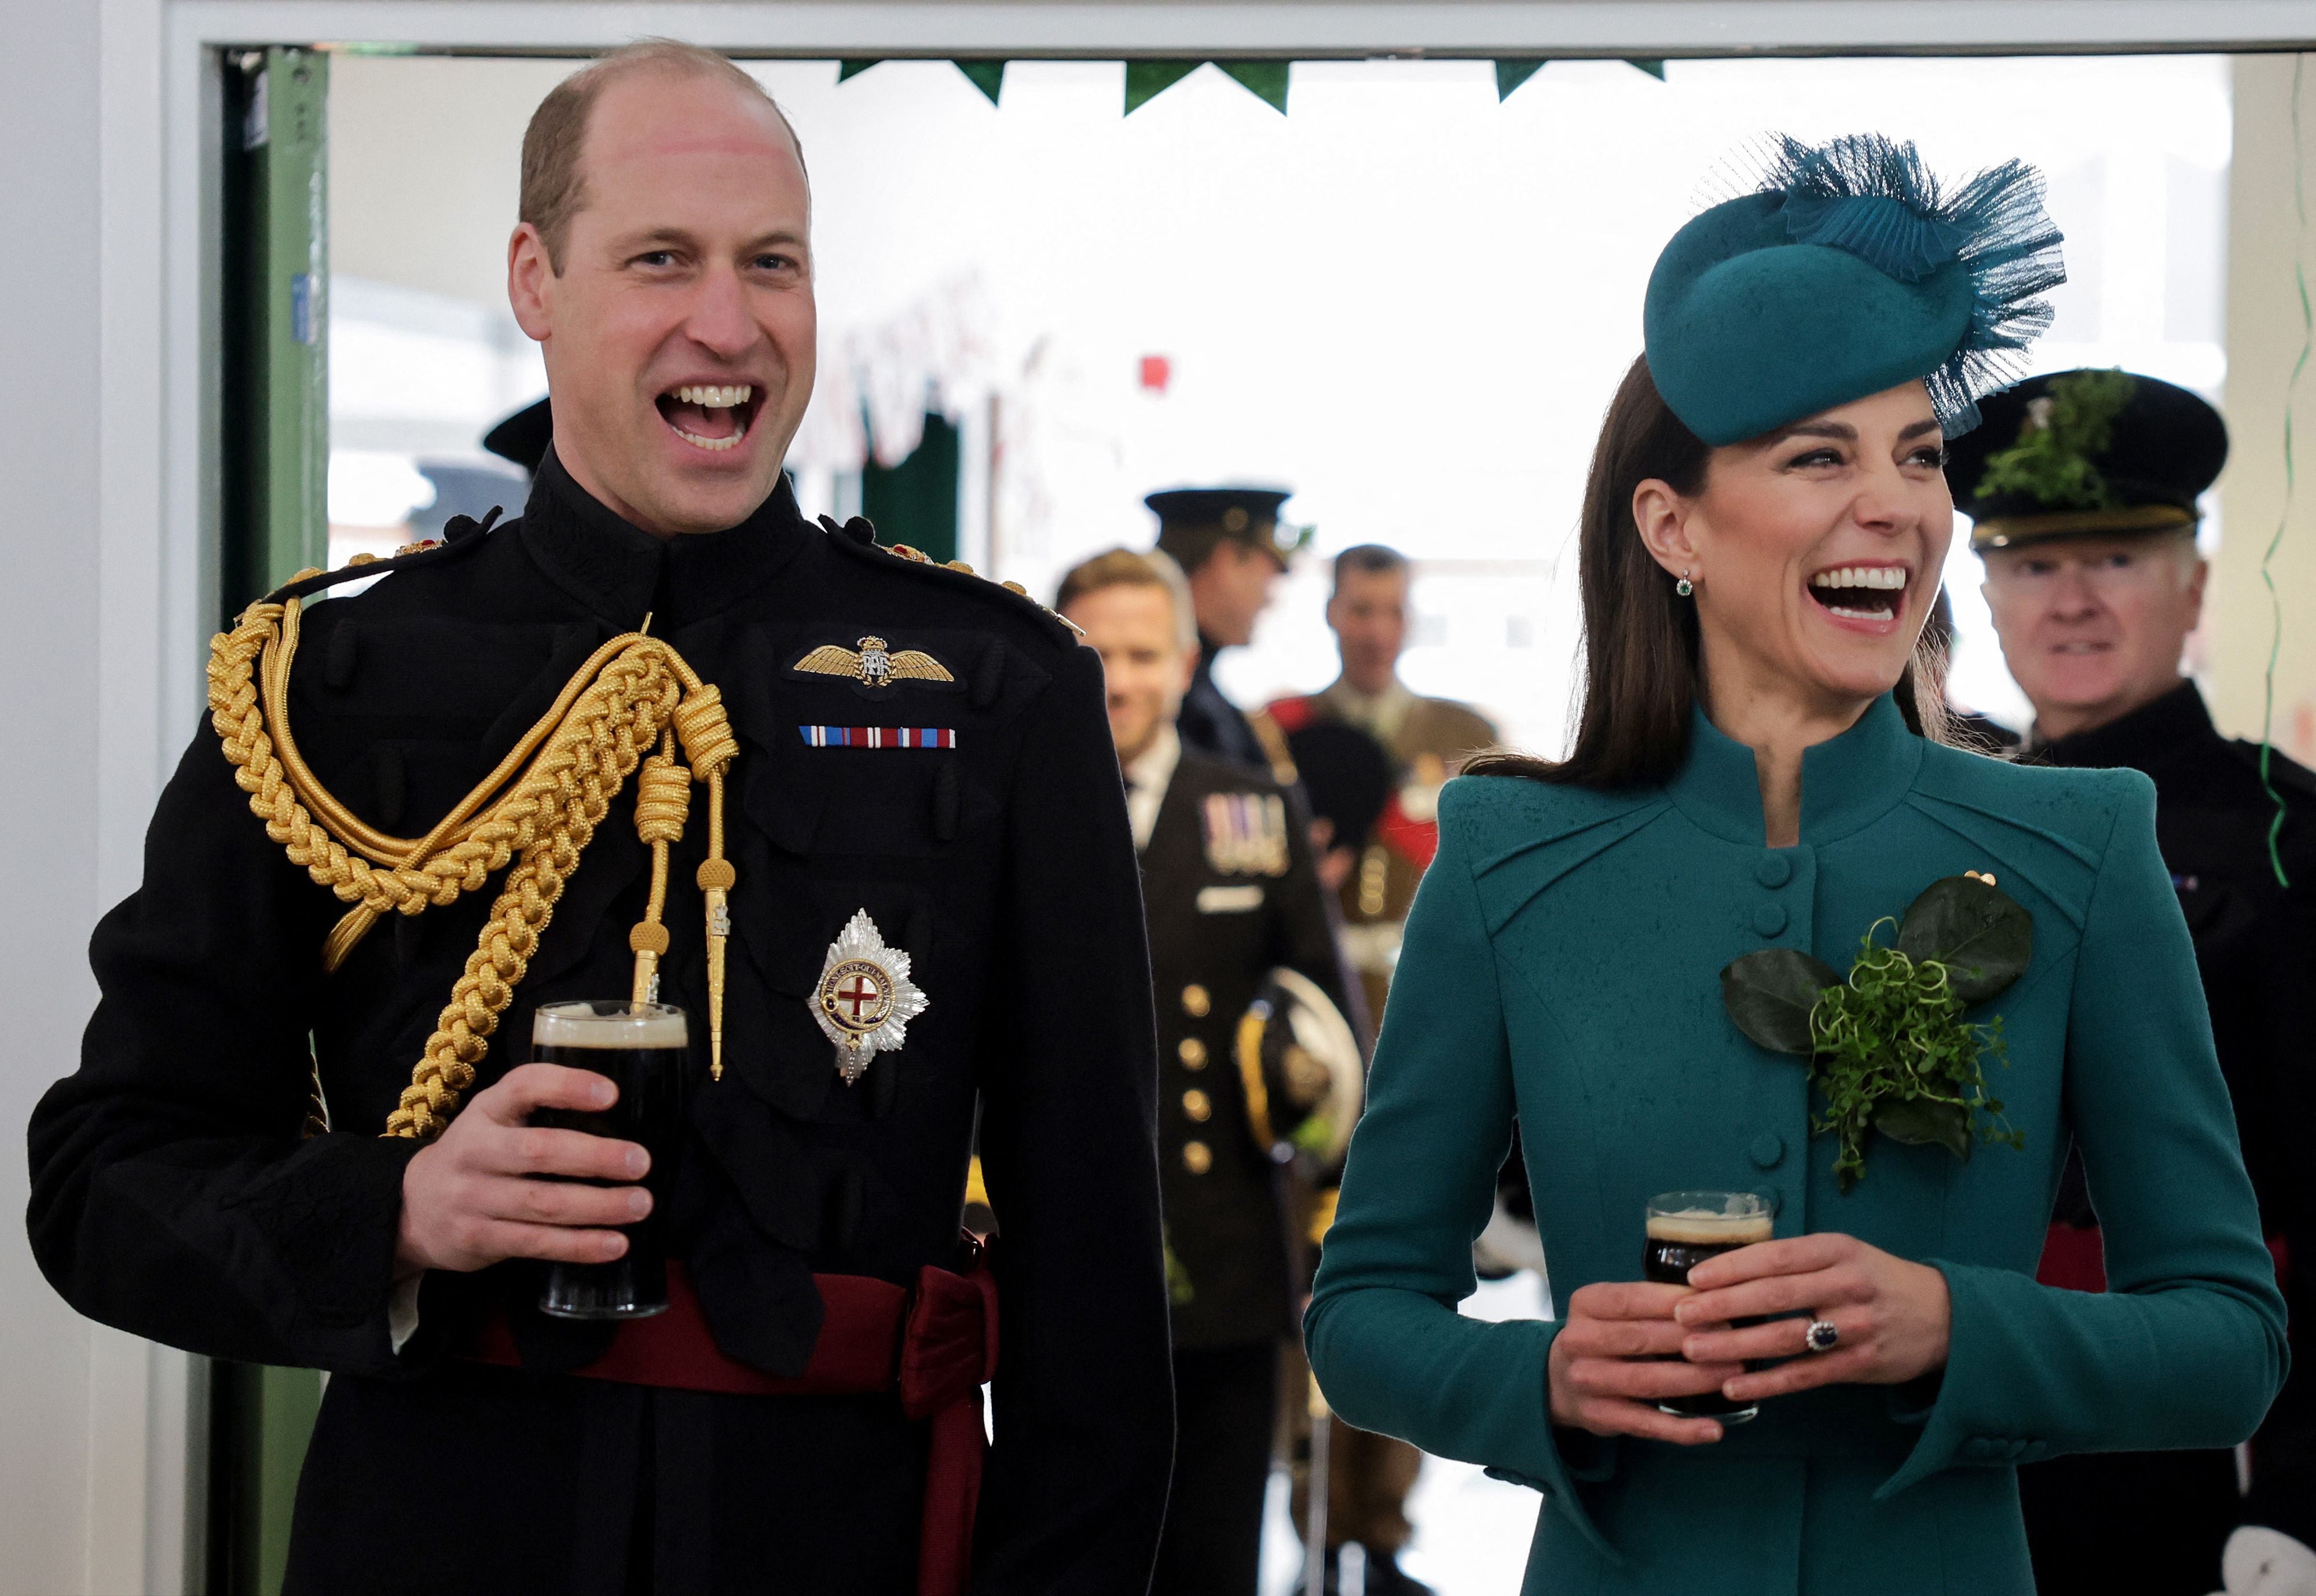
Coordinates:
[1385,1341]
[2186,1347]
[172,1194]
[1076,1482]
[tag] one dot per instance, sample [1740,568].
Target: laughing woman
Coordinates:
[1755,933]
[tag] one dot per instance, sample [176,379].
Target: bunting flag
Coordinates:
[1267,81]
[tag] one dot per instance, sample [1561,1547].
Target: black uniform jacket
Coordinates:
[1211,723]
[2256,947]
[174,1197]
[1214,934]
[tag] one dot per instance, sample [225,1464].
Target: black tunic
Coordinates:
[174,1197]
[2255,951]
[1214,934]
[1214,725]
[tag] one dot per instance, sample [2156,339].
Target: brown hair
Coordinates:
[1124,568]
[554,188]
[1640,634]
[1367,559]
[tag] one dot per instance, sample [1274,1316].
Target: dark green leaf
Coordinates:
[1510,75]
[1921,1122]
[1770,994]
[1982,937]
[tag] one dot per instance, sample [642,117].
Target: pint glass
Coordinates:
[1684,1229]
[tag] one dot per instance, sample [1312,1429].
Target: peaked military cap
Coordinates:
[2078,454]
[1243,515]
[1848,270]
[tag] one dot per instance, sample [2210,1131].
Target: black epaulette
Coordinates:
[2288,775]
[461,535]
[858,539]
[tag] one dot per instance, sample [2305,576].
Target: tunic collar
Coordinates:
[1848,782]
[2155,734]
[624,573]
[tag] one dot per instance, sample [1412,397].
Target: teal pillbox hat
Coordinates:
[1848,271]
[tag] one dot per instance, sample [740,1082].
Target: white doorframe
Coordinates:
[158,355]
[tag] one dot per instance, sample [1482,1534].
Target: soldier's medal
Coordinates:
[864,999]
[1245,833]
[875,664]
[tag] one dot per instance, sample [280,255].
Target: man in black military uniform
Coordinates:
[1233,549]
[2083,488]
[1234,900]
[904,756]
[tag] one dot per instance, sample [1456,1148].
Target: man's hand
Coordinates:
[469,1200]
[1618,1355]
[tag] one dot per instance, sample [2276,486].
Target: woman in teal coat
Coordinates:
[1762,538]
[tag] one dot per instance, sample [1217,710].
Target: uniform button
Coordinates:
[1198,1157]
[1775,870]
[1195,1001]
[1770,918]
[1196,1105]
[1767,1148]
[1192,1052]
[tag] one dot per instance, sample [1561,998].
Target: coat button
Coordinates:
[1196,1105]
[1192,1052]
[1198,1157]
[1770,918]
[1767,1148]
[1195,1001]
[1775,870]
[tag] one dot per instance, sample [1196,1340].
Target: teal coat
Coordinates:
[1562,966]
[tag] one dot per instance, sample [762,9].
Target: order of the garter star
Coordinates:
[864,999]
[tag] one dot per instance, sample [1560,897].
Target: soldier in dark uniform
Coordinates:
[2083,488]
[1233,549]
[1232,897]
[787,735]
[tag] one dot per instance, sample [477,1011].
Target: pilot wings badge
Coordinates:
[864,999]
[876,664]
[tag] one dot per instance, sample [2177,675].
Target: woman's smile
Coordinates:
[1868,597]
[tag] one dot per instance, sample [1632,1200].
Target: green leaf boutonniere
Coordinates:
[1888,1048]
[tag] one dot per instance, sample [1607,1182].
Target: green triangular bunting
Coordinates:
[1653,68]
[1146,80]
[845,69]
[1510,75]
[988,76]
[1265,80]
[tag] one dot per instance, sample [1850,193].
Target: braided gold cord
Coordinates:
[632,693]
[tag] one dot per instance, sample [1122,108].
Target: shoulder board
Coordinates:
[2288,774]
[461,536]
[858,539]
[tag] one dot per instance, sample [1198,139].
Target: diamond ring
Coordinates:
[1821,1337]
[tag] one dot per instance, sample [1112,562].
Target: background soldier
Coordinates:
[1428,739]
[2083,486]
[1233,549]
[894,747]
[1232,900]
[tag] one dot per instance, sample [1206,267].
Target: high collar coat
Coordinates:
[1561,966]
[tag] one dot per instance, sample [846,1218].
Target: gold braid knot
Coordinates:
[551,791]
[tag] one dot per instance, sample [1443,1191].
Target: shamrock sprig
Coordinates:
[1888,1048]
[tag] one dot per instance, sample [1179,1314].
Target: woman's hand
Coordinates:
[1894,1317]
[1600,1374]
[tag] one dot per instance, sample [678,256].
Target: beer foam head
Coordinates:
[587,1025]
[1705,1226]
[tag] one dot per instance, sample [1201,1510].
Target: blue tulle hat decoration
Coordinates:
[1850,270]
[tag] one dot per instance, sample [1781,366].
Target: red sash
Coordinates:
[935,1346]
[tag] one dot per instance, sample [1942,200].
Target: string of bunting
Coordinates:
[1267,81]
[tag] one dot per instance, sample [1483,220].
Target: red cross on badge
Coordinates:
[864,999]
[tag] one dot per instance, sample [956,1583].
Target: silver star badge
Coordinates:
[864,999]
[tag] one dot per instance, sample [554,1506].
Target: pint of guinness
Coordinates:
[1684,1229]
[642,1048]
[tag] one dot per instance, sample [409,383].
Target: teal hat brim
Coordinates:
[1747,331]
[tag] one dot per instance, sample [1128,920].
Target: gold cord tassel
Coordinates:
[540,808]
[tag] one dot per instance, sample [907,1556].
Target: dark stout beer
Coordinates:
[642,1049]
[1684,1229]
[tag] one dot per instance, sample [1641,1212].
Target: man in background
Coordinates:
[2083,488]
[1241,949]
[1428,741]
[1233,549]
